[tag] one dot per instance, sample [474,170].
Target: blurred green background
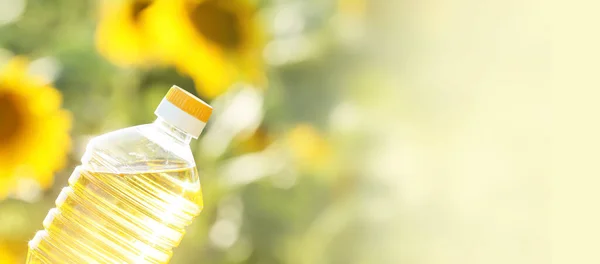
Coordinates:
[344,131]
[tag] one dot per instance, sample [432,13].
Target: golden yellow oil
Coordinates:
[105,217]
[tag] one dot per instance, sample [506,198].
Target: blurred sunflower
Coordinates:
[34,130]
[353,7]
[309,149]
[120,34]
[216,42]
[12,252]
[7,257]
[258,141]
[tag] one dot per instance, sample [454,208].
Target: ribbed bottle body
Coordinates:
[105,217]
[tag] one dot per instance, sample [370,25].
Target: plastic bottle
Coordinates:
[133,195]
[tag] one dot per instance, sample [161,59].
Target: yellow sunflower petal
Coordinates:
[119,36]
[14,70]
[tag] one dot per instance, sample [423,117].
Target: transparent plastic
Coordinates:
[128,202]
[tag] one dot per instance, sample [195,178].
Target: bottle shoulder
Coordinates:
[137,148]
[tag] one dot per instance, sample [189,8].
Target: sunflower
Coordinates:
[308,147]
[34,130]
[258,141]
[12,252]
[120,35]
[7,257]
[216,42]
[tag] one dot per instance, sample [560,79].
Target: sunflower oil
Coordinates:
[105,217]
[132,197]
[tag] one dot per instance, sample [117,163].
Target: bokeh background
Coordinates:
[344,131]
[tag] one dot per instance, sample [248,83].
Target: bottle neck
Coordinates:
[173,131]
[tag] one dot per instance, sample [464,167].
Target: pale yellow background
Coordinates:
[497,160]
